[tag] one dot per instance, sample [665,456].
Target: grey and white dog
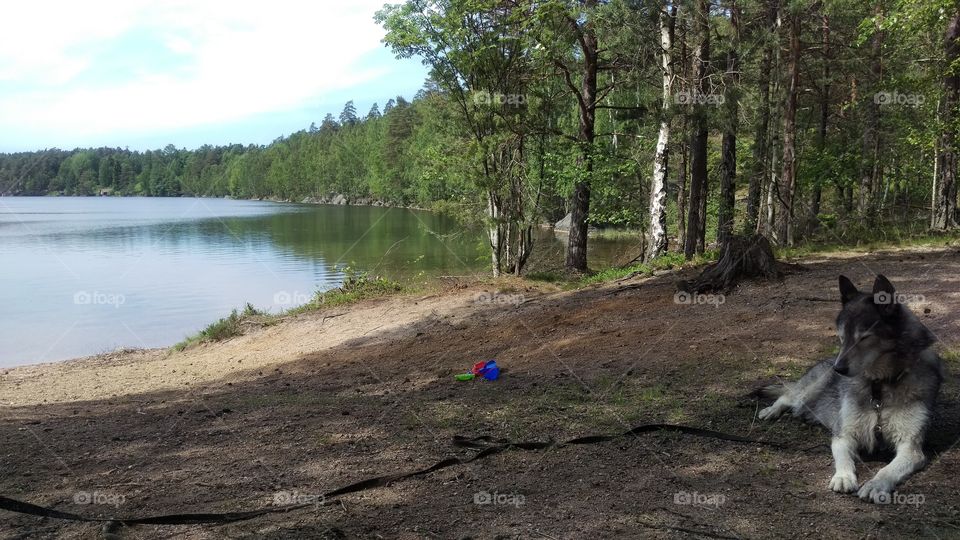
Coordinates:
[879,391]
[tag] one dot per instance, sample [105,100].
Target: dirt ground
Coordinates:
[324,399]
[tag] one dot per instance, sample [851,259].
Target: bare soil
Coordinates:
[324,399]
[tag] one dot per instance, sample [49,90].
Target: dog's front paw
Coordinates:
[844,482]
[770,413]
[877,491]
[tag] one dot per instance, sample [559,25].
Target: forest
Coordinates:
[690,122]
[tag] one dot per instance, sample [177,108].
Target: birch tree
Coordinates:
[657,242]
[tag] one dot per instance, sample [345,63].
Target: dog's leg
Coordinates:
[909,459]
[903,428]
[800,395]
[844,452]
[780,406]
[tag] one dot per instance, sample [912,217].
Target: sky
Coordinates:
[143,74]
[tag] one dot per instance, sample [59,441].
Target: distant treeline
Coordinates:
[392,156]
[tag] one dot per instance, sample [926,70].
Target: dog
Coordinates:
[879,392]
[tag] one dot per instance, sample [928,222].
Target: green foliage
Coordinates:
[355,287]
[404,156]
[869,238]
[668,261]
[223,329]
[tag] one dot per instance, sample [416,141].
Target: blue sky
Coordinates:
[145,73]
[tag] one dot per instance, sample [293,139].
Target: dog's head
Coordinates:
[879,336]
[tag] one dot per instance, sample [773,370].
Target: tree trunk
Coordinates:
[871,150]
[741,257]
[934,193]
[682,187]
[788,178]
[580,201]
[817,191]
[728,176]
[760,148]
[698,139]
[657,243]
[772,188]
[682,145]
[493,232]
[945,202]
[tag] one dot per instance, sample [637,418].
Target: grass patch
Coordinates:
[550,276]
[789,370]
[355,288]
[223,329]
[951,357]
[668,261]
[613,233]
[860,238]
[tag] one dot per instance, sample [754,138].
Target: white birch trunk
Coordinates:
[493,231]
[658,186]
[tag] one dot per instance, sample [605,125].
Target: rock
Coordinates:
[563,224]
[338,199]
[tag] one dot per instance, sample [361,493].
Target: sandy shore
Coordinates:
[130,372]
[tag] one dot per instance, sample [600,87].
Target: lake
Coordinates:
[86,275]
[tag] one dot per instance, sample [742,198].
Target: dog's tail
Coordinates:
[771,391]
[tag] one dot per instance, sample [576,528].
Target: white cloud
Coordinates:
[235,59]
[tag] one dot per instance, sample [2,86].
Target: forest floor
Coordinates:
[323,399]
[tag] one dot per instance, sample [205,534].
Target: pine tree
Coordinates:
[348,116]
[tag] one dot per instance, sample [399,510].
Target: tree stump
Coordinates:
[741,258]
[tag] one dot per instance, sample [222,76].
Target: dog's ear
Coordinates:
[848,291]
[884,295]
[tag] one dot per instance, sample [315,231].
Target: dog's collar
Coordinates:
[876,392]
[876,387]
[876,397]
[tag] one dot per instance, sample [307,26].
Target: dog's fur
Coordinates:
[879,391]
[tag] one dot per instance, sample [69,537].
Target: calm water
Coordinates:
[87,275]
